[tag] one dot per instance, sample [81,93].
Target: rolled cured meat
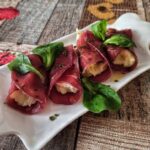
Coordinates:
[121,59]
[28,93]
[111,31]
[93,63]
[87,37]
[65,87]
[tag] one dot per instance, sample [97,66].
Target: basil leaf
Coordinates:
[96,103]
[120,40]
[49,52]
[99,97]
[99,29]
[113,99]
[90,86]
[23,65]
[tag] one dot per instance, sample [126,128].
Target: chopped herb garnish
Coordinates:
[65,53]
[54,117]
[61,65]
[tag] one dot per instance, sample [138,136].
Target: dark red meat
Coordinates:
[112,31]
[113,52]
[90,54]
[65,69]
[88,36]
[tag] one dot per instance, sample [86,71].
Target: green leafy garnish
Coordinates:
[49,52]
[23,65]
[99,97]
[99,29]
[120,40]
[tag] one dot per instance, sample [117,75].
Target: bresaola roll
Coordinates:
[121,59]
[65,86]
[112,31]
[28,93]
[93,63]
[87,37]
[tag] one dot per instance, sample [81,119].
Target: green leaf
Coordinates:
[49,52]
[89,85]
[99,97]
[120,40]
[23,65]
[99,29]
[96,103]
[113,99]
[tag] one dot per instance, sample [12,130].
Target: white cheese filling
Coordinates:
[22,99]
[95,69]
[64,88]
[125,58]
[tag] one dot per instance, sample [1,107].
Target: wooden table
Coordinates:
[42,21]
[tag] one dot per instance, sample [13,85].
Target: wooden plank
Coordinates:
[8,3]
[146,4]
[28,26]
[140,8]
[129,128]
[64,20]
[104,133]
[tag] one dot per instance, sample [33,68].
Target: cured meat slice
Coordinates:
[88,36]
[121,59]
[93,63]
[112,31]
[8,13]
[65,87]
[28,93]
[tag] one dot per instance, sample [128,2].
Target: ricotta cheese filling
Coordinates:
[64,88]
[22,99]
[95,69]
[125,58]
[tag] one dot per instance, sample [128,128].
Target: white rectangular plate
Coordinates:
[36,130]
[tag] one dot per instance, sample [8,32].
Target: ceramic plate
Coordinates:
[36,130]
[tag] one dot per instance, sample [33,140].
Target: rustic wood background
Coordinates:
[42,21]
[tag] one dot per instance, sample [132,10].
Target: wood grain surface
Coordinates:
[42,21]
[8,3]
